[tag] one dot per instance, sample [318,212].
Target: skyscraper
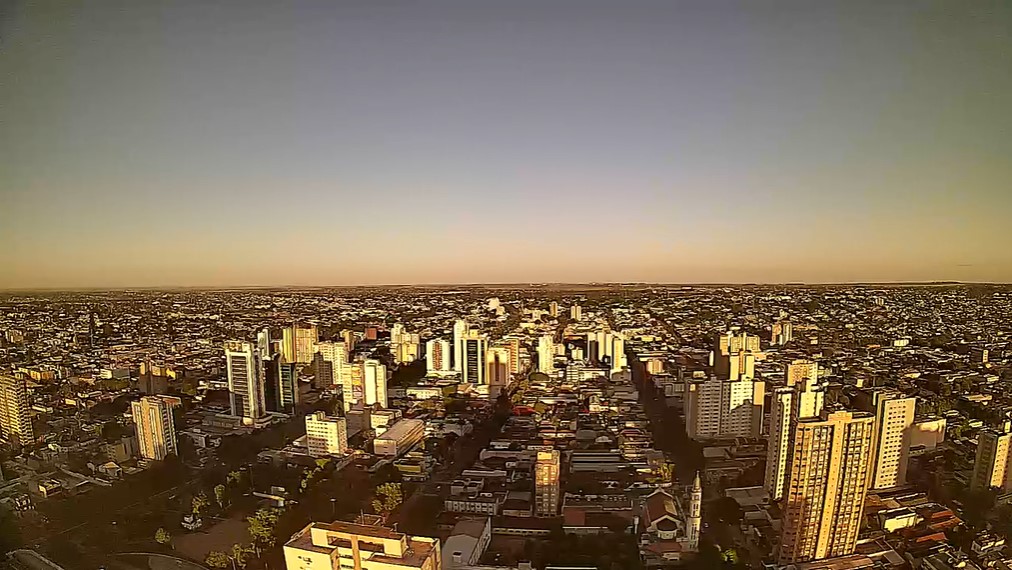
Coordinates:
[800,399]
[326,435]
[724,408]
[375,382]
[156,430]
[15,422]
[546,484]
[894,420]
[546,354]
[991,468]
[404,346]
[473,348]
[497,370]
[730,358]
[288,387]
[576,313]
[437,356]
[828,480]
[460,329]
[332,363]
[553,309]
[245,380]
[298,343]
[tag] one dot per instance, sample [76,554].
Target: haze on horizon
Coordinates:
[197,143]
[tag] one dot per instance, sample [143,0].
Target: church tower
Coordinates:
[694,523]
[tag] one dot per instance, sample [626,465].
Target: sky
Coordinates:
[217,143]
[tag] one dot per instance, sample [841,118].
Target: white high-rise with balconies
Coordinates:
[245,380]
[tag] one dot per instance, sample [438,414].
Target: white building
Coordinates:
[326,435]
[335,355]
[460,329]
[724,408]
[245,380]
[473,348]
[802,398]
[375,382]
[399,438]
[437,357]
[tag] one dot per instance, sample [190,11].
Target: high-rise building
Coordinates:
[781,333]
[497,370]
[894,420]
[348,336]
[404,346]
[800,399]
[298,343]
[546,484]
[343,545]
[281,385]
[353,385]
[553,309]
[799,371]
[991,468]
[828,480]
[576,313]
[15,422]
[460,330]
[375,383]
[473,348]
[546,354]
[326,435]
[156,430]
[331,363]
[437,356]
[730,358]
[724,408]
[513,346]
[245,380]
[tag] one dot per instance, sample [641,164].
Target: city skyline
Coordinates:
[366,144]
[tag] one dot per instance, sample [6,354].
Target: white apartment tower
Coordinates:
[437,356]
[155,427]
[894,420]
[802,398]
[546,354]
[245,380]
[473,348]
[460,330]
[375,389]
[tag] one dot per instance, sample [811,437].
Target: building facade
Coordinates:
[245,380]
[546,483]
[15,421]
[155,427]
[326,435]
[346,546]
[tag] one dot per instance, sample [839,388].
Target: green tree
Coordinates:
[234,477]
[240,554]
[162,536]
[219,495]
[217,559]
[199,503]
[388,497]
[262,526]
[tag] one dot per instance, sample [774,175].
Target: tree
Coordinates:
[217,559]
[199,503]
[388,497]
[262,526]
[162,536]
[234,477]
[239,555]
[219,495]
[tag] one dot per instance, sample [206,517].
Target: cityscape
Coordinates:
[505,285]
[509,427]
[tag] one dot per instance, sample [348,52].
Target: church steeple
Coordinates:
[695,519]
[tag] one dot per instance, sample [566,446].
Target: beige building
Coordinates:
[437,356]
[789,404]
[15,421]
[332,363]
[298,343]
[718,408]
[546,484]
[546,354]
[156,430]
[827,483]
[894,419]
[991,468]
[326,435]
[576,313]
[348,546]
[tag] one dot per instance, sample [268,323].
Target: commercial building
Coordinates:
[473,348]
[326,435]
[15,422]
[245,380]
[399,438]
[437,356]
[156,430]
[827,483]
[345,546]
[546,483]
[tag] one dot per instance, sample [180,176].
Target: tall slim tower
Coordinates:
[497,370]
[156,430]
[460,329]
[245,380]
[546,484]
[437,356]
[991,468]
[335,357]
[553,309]
[694,523]
[375,383]
[474,345]
[15,422]
[576,313]
[828,480]
[546,354]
